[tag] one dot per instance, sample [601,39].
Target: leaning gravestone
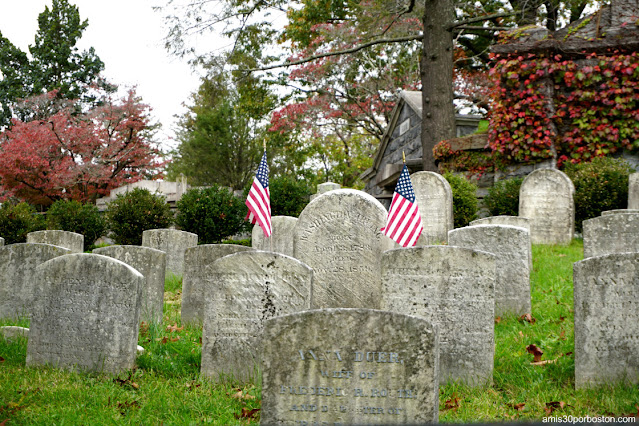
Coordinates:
[152,264]
[246,289]
[86,314]
[18,263]
[349,366]
[633,191]
[197,262]
[338,235]
[606,297]
[435,200]
[619,211]
[172,242]
[69,240]
[546,198]
[281,239]
[454,288]
[511,247]
[613,233]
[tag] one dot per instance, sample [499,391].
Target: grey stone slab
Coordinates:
[1,241]
[633,191]
[454,288]
[173,242]
[435,200]
[152,264]
[613,233]
[325,187]
[518,221]
[619,211]
[349,366]
[546,198]
[12,332]
[606,302]
[281,239]
[246,289]
[511,247]
[338,235]
[18,288]
[86,315]
[69,240]
[197,263]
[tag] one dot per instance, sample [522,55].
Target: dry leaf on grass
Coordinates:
[1,359]
[175,339]
[127,382]
[452,403]
[518,407]
[528,318]
[241,395]
[544,362]
[248,414]
[554,405]
[192,385]
[497,320]
[562,335]
[173,328]
[4,422]
[535,351]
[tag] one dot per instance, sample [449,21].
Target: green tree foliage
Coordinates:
[130,214]
[600,185]
[503,197]
[464,199]
[73,216]
[288,196]
[55,63]
[17,220]
[212,213]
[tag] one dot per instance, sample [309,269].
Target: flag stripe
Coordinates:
[258,200]
[404,223]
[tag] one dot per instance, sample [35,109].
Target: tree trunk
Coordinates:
[438,111]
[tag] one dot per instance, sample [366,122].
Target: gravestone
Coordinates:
[518,221]
[633,191]
[613,233]
[18,288]
[325,187]
[511,247]
[349,366]
[197,262]
[10,333]
[338,235]
[246,289]
[172,242]
[619,211]
[606,298]
[69,240]
[86,314]
[454,288]
[1,241]
[435,200]
[281,240]
[152,264]
[546,197]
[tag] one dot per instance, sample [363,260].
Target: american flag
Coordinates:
[404,224]
[259,199]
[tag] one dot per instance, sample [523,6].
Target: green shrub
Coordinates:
[464,199]
[73,216]
[212,213]
[17,220]
[600,185]
[503,197]
[130,214]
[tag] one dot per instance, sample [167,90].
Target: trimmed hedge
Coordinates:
[73,216]
[464,199]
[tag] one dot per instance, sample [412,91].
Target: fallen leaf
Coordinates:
[192,385]
[497,320]
[521,334]
[173,328]
[164,340]
[452,403]
[562,335]
[144,328]
[4,422]
[535,351]
[562,255]
[561,319]
[1,359]
[247,414]
[175,339]
[518,407]
[568,353]
[544,362]
[528,318]
[241,395]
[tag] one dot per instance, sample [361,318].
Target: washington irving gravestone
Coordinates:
[454,288]
[86,314]
[338,235]
[245,290]
[349,366]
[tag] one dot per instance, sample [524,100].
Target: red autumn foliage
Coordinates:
[78,155]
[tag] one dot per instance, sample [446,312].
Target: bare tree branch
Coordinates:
[477,28]
[479,19]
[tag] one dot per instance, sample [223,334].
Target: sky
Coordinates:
[128,36]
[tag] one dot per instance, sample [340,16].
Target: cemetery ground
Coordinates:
[166,387]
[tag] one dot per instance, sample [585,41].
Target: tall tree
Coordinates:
[54,63]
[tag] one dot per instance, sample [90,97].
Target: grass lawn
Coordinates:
[165,387]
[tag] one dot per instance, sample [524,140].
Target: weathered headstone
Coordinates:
[1,241]
[454,288]
[606,303]
[338,235]
[152,264]
[197,263]
[613,233]
[518,221]
[246,289]
[435,200]
[18,263]
[172,242]
[546,197]
[86,314]
[69,240]
[619,211]
[349,366]
[325,187]
[281,240]
[633,191]
[511,247]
